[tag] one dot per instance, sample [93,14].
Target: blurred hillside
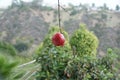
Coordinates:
[28,23]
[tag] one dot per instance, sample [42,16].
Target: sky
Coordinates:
[110,3]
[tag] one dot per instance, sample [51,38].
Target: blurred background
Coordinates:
[25,23]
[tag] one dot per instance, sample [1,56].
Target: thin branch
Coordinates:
[59,19]
[64,9]
[26,64]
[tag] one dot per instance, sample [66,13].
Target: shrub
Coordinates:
[53,59]
[7,48]
[84,42]
[20,46]
[6,67]
[91,69]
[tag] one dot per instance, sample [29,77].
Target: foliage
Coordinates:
[117,7]
[58,63]
[73,12]
[46,8]
[7,48]
[6,67]
[88,68]
[105,7]
[104,16]
[53,59]
[16,3]
[118,37]
[37,2]
[21,46]
[93,5]
[117,62]
[84,42]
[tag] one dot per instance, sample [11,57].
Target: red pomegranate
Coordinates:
[58,39]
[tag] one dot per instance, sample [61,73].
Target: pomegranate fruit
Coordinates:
[58,39]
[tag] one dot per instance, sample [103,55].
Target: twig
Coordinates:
[26,64]
[65,10]
[59,20]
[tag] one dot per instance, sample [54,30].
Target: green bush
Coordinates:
[21,46]
[6,67]
[91,69]
[84,42]
[53,59]
[7,48]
